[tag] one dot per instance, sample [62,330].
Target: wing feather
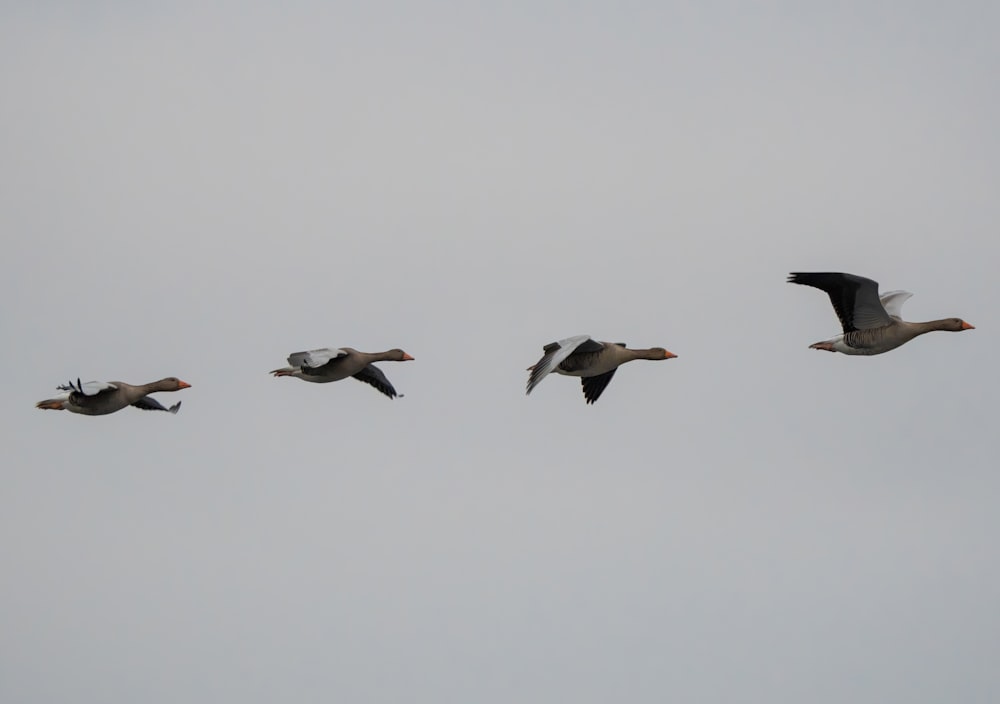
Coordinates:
[556,353]
[854,298]
[315,358]
[893,302]
[373,375]
[87,388]
[148,403]
[593,386]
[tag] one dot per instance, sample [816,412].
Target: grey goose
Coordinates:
[594,362]
[327,364]
[99,398]
[872,323]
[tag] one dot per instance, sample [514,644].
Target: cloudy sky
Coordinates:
[199,192]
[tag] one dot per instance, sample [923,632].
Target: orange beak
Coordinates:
[667,354]
[407,358]
[966,326]
[183,385]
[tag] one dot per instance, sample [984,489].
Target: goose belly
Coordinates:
[867,343]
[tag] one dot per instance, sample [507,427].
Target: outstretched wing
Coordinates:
[556,353]
[593,386]
[314,359]
[148,403]
[374,376]
[87,388]
[854,298]
[893,302]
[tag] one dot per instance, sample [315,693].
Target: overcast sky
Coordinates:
[200,192]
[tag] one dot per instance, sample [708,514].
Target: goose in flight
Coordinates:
[595,362]
[325,365]
[872,323]
[99,398]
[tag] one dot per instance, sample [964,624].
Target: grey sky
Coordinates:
[197,192]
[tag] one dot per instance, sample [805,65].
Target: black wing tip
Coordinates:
[376,378]
[805,277]
[594,386]
[828,281]
[591,398]
[797,277]
[387,388]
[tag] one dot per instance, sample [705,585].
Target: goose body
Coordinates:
[595,362]
[872,324]
[327,364]
[99,398]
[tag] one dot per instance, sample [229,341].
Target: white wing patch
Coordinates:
[87,388]
[893,302]
[92,388]
[315,358]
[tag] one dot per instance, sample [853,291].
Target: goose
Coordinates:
[99,398]
[872,323]
[595,362]
[325,365]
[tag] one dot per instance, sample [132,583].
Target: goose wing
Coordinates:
[313,359]
[87,388]
[593,386]
[893,302]
[148,403]
[556,353]
[854,298]
[374,376]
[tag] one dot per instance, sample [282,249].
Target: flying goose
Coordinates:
[325,365]
[872,323]
[98,398]
[596,362]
